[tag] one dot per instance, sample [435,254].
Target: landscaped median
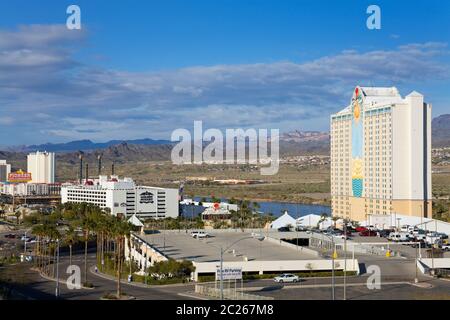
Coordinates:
[161,273]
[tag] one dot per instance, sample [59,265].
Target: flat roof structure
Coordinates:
[181,245]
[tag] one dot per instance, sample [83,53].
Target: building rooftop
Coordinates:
[375,97]
[181,245]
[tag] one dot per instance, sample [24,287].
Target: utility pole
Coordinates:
[332,269]
[221,273]
[345,259]
[57,270]
[25,244]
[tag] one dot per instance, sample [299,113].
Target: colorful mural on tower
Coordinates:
[357,143]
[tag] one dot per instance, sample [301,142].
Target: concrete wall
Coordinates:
[292,246]
[277,266]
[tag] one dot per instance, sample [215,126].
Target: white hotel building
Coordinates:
[41,165]
[124,198]
[381,155]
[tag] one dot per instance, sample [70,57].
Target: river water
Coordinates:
[266,207]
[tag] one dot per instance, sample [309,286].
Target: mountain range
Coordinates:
[441,131]
[291,143]
[84,145]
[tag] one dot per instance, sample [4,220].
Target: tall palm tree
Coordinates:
[70,238]
[122,230]
[87,224]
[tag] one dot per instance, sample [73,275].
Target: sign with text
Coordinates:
[19,177]
[229,273]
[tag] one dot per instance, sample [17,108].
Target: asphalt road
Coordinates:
[397,276]
[37,287]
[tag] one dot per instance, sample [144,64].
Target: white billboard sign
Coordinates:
[229,273]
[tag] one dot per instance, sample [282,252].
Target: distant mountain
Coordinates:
[304,136]
[441,131]
[84,145]
[121,153]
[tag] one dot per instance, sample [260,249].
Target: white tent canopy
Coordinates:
[135,221]
[283,221]
[310,220]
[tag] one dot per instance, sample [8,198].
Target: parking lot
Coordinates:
[180,245]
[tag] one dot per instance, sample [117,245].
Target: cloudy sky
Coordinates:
[143,69]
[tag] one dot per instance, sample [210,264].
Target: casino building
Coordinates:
[124,198]
[381,155]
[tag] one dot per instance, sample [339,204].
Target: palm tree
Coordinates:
[121,231]
[87,224]
[70,238]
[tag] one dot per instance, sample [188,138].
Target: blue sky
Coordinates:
[144,68]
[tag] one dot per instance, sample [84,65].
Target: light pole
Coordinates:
[416,279]
[345,260]
[222,250]
[25,243]
[333,248]
[57,269]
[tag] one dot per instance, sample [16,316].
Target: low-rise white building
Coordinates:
[30,189]
[124,197]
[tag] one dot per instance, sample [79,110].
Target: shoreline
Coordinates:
[322,204]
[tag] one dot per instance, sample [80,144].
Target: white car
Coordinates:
[341,236]
[200,234]
[286,277]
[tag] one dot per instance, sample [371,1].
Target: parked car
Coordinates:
[442,235]
[200,234]
[360,229]
[399,236]
[10,236]
[341,236]
[286,277]
[384,233]
[283,229]
[368,233]
[405,228]
[445,247]
[300,228]
[25,238]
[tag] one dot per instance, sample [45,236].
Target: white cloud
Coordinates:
[38,76]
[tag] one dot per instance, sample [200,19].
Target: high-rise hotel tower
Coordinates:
[381,155]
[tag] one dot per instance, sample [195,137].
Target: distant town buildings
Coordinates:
[5,170]
[124,198]
[381,155]
[41,165]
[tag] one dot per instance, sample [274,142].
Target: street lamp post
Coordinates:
[57,269]
[333,249]
[25,243]
[345,260]
[222,250]
[221,273]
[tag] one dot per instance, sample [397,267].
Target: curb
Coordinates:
[136,284]
[60,280]
[188,295]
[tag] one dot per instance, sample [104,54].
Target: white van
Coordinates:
[200,234]
[399,236]
[405,228]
